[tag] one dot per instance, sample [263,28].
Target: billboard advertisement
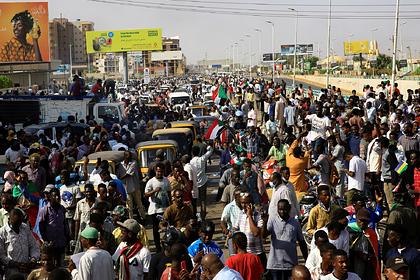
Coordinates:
[356,47]
[149,39]
[301,49]
[167,55]
[24,32]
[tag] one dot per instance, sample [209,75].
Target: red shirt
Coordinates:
[416,185]
[248,265]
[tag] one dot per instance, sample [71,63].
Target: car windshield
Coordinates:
[148,156]
[179,138]
[180,100]
[197,112]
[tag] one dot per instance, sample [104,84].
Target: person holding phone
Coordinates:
[205,245]
[178,268]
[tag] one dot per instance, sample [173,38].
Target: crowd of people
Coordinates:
[358,154]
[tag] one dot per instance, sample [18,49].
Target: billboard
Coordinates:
[269,57]
[167,55]
[356,47]
[24,32]
[149,39]
[301,49]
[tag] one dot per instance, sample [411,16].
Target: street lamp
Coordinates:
[237,54]
[394,51]
[250,57]
[272,44]
[260,43]
[348,43]
[294,54]
[328,45]
[233,58]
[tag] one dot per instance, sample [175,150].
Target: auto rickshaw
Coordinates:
[182,136]
[146,152]
[194,126]
[113,157]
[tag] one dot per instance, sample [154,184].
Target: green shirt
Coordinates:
[279,154]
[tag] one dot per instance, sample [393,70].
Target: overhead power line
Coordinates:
[259,12]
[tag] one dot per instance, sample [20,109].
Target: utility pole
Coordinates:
[327,82]
[394,52]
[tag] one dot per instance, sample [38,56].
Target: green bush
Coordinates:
[5,82]
[417,71]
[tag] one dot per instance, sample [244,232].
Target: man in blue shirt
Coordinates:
[205,245]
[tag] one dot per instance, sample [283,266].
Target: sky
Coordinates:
[208,29]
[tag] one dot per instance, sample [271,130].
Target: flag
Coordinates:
[401,167]
[219,93]
[214,130]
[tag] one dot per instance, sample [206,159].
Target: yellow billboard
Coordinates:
[149,39]
[24,32]
[356,47]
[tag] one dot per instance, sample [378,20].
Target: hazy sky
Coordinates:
[212,34]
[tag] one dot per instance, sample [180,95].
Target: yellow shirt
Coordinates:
[297,168]
[319,218]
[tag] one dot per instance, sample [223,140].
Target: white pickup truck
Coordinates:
[37,109]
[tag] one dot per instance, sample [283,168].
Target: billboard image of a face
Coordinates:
[24,32]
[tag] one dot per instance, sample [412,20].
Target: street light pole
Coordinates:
[250,56]
[272,45]
[328,45]
[294,54]
[259,45]
[233,58]
[394,52]
[71,59]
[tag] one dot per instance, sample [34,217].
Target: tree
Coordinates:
[5,82]
[383,61]
[312,60]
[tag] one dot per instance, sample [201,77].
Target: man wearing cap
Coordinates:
[396,268]
[364,246]
[132,259]
[95,264]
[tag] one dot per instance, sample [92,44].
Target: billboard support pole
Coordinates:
[394,52]
[125,61]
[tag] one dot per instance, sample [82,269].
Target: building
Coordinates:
[171,67]
[68,37]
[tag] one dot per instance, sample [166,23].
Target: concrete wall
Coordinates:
[348,84]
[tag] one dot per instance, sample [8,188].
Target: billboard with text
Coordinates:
[356,47]
[167,55]
[301,49]
[24,32]
[149,39]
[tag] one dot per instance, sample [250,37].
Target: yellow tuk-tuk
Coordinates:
[113,157]
[182,136]
[193,125]
[146,152]
[199,110]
